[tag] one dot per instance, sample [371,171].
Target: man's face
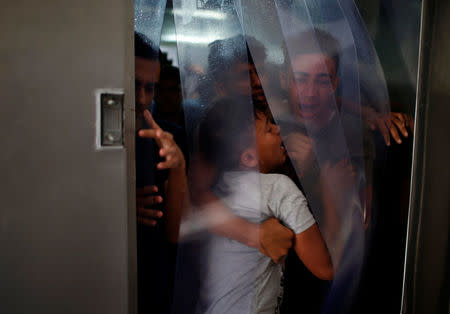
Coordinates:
[146,77]
[168,96]
[237,81]
[271,153]
[312,87]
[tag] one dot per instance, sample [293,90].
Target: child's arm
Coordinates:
[312,250]
[288,203]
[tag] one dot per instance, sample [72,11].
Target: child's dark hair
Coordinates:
[227,129]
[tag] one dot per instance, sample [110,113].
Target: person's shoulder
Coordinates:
[271,178]
[287,203]
[279,183]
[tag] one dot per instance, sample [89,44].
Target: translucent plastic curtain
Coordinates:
[335,136]
[404,18]
[372,81]
[280,25]
[293,45]
[148,21]
[149,17]
[220,126]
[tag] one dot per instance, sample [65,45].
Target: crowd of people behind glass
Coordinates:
[243,206]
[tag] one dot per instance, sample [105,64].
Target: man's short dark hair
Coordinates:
[226,53]
[171,73]
[314,41]
[144,47]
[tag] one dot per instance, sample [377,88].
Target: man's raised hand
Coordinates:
[168,149]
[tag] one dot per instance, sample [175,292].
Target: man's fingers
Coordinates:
[167,136]
[401,126]
[152,213]
[149,189]
[149,200]
[398,116]
[275,239]
[163,139]
[146,221]
[145,216]
[384,130]
[167,164]
[167,151]
[409,121]
[394,134]
[149,133]
[150,121]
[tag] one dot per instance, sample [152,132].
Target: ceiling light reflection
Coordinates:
[206,14]
[201,40]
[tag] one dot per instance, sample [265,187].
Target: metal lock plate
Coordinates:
[111,119]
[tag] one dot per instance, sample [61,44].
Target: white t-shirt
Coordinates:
[239,279]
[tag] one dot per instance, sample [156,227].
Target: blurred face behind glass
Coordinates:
[243,79]
[146,77]
[312,88]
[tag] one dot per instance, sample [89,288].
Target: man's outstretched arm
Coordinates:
[176,184]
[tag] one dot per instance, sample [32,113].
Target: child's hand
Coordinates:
[174,158]
[144,198]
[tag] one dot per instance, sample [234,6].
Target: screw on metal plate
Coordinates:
[109,137]
[111,119]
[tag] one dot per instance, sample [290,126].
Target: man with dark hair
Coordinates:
[230,65]
[160,182]
[147,69]
[312,83]
[313,42]
[317,131]
[314,57]
[168,100]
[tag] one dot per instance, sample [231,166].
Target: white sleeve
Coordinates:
[289,204]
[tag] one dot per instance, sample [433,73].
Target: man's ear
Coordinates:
[249,158]
[334,83]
